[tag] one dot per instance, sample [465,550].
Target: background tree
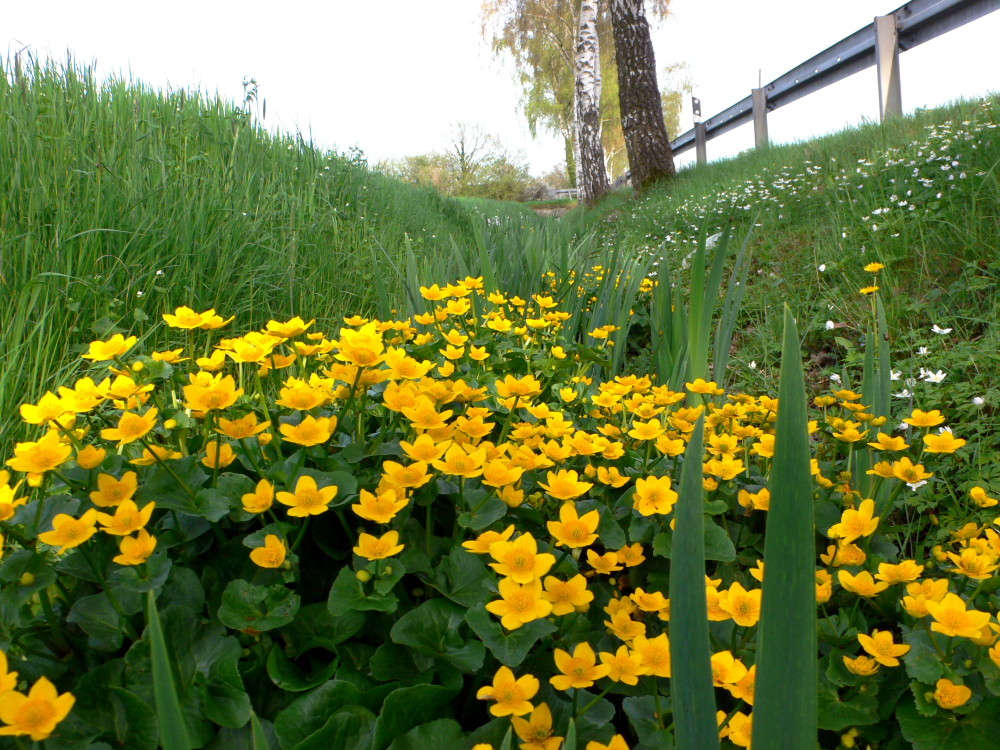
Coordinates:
[592,174]
[650,157]
[540,36]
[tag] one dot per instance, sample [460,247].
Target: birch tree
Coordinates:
[592,177]
[650,157]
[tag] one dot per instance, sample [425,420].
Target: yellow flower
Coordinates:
[630,555]
[68,532]
[623,665]
[127,518]
[424,448]
[102,351]
[41,456]
[154,454]
[242,428]
[49,407]
[949,695]
[572,530]
[310,431]
[904,572]
[380,508]
[35,714]
[308,499]
[289,329]
[537,731]
[880,645]
[579,670]
[700,386]
[727,669]
[131,427]
[565,485]
[208,392]
[865,666]
[90,457]
[973,564]
[519,603]
[868,289]
[216,457]
[653,495]
[566,596]
[862,584]
[411,475]
[271,555]
[649,601]
[920,418]
[461,462]
[742,605]
[944,442]
[605,564]
[512,696]
[519,560]
[617,743]
[855,523]
[885,442]
[379,548]
[135,550]
[654,654]
[482,543]
[980,498]
[186,318]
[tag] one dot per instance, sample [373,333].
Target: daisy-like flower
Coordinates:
[939,330]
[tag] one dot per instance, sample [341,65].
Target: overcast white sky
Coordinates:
[391,76]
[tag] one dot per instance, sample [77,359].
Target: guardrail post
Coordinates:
[759,117]
[890,97]
[700,142]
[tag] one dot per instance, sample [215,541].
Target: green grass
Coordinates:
[119,202]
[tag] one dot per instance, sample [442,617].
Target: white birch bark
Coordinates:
[592,176]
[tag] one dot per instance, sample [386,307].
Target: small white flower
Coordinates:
[830,325]
[937,329]
[139,293]
[895,374]
[822,267]
[753,364]
[902,394]
[923,350]
[916,485]
[978,400]
[935,377]
[835,378]
[159,273]
[903,427]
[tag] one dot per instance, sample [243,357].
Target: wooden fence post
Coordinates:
[890,97]
[759,117]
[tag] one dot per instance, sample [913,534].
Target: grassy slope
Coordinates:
[920,194]
[119,202]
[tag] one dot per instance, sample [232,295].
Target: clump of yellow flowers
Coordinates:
[474,459]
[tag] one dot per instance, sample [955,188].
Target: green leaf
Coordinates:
[137,728]
[349,727]
[248,607]
[174,488]
[718,545]
[432,628]
[348,594]
[691,676]
[226,701]
[460,577]
[610,532]
[836,715]
[286,675]
[785,709]
[314,627]
[309,713]
[15,566]
[257,735]
[922,661]
[173,729]
[409,707]
[97,617]
[973,731]
[509,648]
[482,511]
[443,733]
[641,712]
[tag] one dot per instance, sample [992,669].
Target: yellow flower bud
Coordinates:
[363,575]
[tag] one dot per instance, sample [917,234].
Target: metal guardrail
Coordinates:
[916,22]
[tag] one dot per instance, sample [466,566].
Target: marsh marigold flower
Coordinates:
[536,731]
[310,431]
[39,457]
[572,530]
[855,523]
[379,548]
[102,351]
[68,532]
[36,714]
[579,670]
[131,427]
[519,603]
[567,596]
[880,645]
[654,495]
[271,555]
[135,550]
[512,696]
[308,499]
[381,507]
[520,560]
[953,619]
[949,695]
[654,654]
[126,519]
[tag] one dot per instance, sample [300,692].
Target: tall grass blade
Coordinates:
[173,730]
[257,736]
[508,740]
[570,742]
[695,726]
[785,709]
[731,306]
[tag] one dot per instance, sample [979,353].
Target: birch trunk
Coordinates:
[592,177]
[649,155]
